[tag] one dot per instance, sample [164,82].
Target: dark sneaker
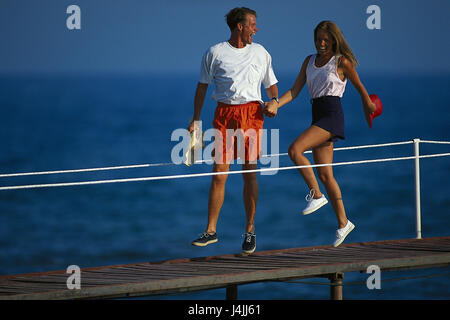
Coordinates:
[205,239]
[249,244]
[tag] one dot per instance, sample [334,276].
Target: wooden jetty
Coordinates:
[230,271]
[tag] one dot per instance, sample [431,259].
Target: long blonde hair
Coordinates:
[340,45]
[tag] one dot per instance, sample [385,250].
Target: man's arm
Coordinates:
[199,98]
[272,91]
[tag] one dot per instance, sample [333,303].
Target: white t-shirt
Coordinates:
[237,73]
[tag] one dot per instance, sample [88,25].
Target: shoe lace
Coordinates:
[309,197]
[248,236]
[204,235]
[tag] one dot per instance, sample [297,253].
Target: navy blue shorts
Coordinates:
[327,114]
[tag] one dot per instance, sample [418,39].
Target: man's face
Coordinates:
[249,29]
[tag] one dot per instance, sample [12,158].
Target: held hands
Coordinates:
[271,108]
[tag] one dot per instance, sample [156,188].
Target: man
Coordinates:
[238,67]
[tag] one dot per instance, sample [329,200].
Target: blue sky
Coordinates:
[150,36]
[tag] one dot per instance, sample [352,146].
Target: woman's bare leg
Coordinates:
[324,154]
[310,138]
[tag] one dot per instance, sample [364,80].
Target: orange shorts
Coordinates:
[238,132]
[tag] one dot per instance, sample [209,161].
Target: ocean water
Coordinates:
[58,122]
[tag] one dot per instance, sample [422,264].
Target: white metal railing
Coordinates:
[416,159]
[417,188]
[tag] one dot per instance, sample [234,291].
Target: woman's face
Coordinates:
[324,43]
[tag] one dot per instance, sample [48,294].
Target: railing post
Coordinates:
[417,187]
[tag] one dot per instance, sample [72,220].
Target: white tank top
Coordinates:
[324,81]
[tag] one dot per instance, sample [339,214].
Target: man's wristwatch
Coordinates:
[276,99]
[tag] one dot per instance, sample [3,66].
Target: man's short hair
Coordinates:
[238,15]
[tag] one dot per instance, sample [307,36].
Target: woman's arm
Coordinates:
[350,72]
[271,108]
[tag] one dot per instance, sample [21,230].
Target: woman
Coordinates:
[326,75]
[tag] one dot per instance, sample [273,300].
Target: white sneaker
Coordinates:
[342,233]
[314,204]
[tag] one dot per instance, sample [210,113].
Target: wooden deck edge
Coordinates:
[206,258]
[218,281]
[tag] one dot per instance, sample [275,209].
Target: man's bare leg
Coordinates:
[216,196]
[250,196]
